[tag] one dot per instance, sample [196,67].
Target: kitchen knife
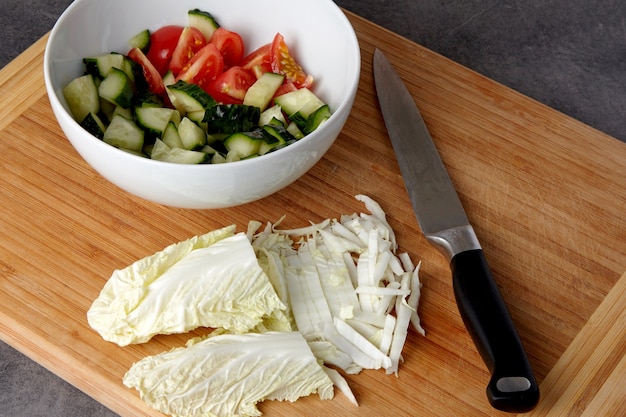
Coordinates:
[443,221]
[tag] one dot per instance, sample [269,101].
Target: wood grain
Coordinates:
[545,193]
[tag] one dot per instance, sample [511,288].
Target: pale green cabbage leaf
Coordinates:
[227,375]
[212,280]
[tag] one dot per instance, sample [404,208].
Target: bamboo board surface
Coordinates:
[545,193]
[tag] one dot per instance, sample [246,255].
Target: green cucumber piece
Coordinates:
[295,130]
[171,137]
[231,118]
[218,158]
[203,21]
[188,97]
[318,117]
[81,95]
[127,113]
[116,88]
[100,65]
[260,93]
[124,133]
[299,120]
[192,136]
[276,136]
[244,144]
[197,117]
[162,152]
[154,120]
[270,115]
[302,101]
[141,40]
[168,78]
[94,125]
[147,99]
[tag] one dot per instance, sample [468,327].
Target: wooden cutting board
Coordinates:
[546,195]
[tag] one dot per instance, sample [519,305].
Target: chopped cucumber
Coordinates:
[302,101]
[99,66]
[141,40]
[318,117]
[203,21]
[124,133]
[162,152]
[192,136]
[116,88]
[171,137]
[154,120]
[197,117]
[244,144]
[189,97]
[127,113]
[168,78]
[270,115]
[81,95]
[147,99]
[93,124]
[295,130]
[218,158]
[231,118]
[276,136]
[129,67]
[261,92]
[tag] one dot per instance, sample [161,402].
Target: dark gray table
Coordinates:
[568,55]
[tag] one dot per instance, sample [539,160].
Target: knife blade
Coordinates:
[442,218]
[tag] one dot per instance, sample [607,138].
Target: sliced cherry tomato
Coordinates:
[231,85]
[259,61]
[204,67]
[162,44]
[230,45]
[284,63]
[152,76]
[287,87]
[190,42]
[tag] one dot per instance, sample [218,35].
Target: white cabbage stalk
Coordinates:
[227,375]
[212,280]
[347,286]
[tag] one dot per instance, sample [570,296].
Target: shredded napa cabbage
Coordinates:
[213,280]
[227,375]
[346,286]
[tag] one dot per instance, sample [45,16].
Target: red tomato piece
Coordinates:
[230,45]
[284,63]
[204,67]
[231,85]
[162,44]
[287,87]
[152,76]
[190,42]
[259,61]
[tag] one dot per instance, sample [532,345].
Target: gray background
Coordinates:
[569,55]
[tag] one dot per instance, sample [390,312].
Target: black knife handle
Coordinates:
[512,387]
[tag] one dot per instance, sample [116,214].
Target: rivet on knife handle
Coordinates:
[443,221]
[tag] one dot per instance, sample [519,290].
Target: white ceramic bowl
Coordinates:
[319,35]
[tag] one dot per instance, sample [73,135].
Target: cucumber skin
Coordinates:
[188,97]
[123,94]
[231,118]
